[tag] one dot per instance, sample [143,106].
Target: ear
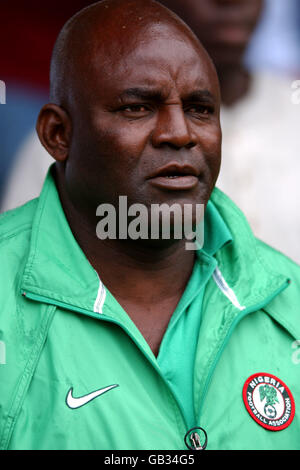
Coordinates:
[54,129]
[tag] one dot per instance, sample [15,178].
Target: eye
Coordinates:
[135,110]
[200,110]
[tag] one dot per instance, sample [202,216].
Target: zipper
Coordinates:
[244,312]
[102,317]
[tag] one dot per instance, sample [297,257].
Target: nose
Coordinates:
[172,129]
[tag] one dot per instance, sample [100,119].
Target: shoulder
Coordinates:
[17,221]
[15,234]
[278,260]
[286,306]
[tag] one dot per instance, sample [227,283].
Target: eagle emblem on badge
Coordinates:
[269,393]
[269,401]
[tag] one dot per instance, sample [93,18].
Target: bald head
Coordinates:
[96,35]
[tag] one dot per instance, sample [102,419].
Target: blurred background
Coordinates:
[255,45]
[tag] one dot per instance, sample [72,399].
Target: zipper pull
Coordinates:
[192,439]
[195,441]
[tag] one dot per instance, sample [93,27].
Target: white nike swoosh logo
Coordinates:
[78,402]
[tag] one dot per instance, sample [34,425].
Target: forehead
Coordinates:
[159,58]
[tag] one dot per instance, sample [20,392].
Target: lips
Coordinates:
[175,176]
[175,170]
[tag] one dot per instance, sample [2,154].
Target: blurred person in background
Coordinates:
[276,43]
[259,121]
[27,35]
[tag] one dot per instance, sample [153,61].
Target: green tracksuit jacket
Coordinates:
[64,336]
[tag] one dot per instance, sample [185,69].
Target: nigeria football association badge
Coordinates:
[269,401]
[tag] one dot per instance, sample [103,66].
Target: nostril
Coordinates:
[178,145]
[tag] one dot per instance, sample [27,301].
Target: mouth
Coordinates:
[175,177]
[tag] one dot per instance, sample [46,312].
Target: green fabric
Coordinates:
[178,348]
[57,339]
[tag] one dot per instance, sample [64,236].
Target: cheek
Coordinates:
[111,163]
[211,142]
[119,144]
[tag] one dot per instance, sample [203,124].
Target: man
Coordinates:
[259,121]
[140,344]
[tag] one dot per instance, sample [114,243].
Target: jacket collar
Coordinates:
[56,268]
[257,278]
[240,262]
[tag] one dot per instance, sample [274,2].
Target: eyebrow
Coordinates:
[158,95]
[143,93]
[200,95]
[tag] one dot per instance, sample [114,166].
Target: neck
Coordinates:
[235,81]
